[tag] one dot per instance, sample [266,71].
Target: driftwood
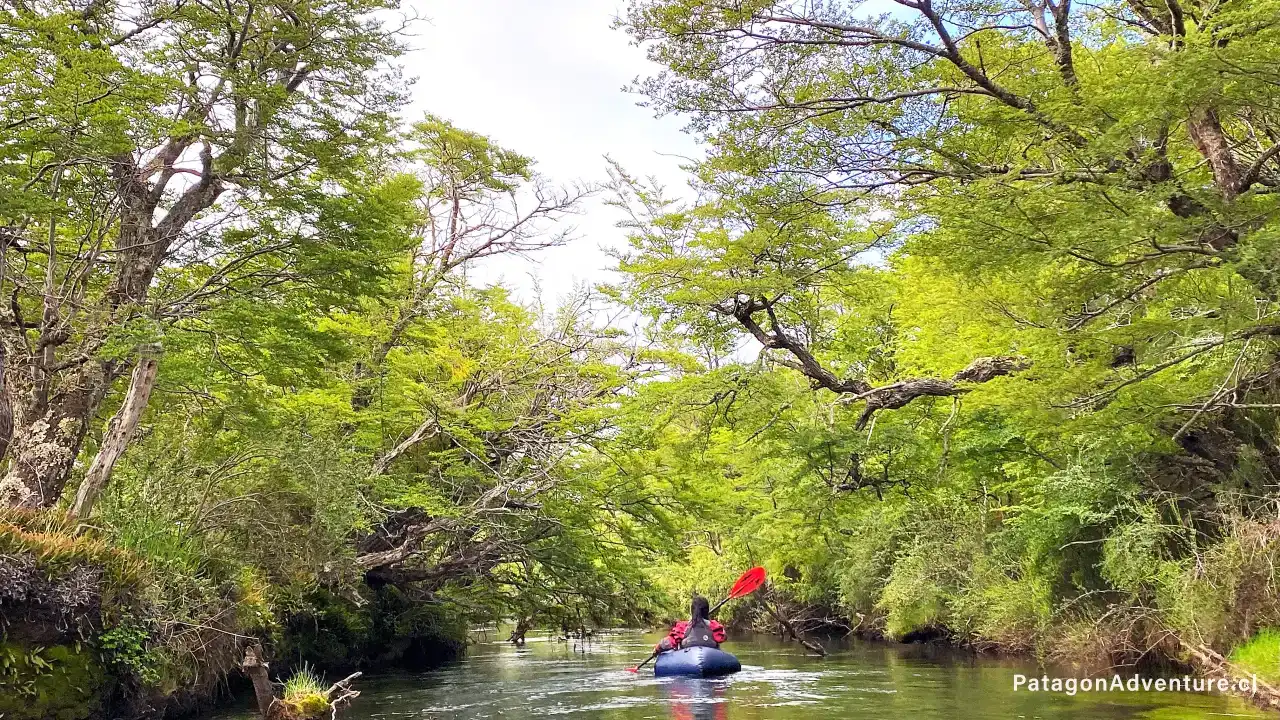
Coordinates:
[255,666]
[789,627]
[1213,665]
[340,693]
[272,707]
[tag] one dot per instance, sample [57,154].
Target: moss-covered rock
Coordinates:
[62,682]
[308,707]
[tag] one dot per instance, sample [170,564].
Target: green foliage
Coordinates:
[967,332]
[886,202]
[127,649]
[61,682]
[325,630]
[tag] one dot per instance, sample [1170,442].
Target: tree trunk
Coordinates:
[6,406]
[120,430]
[1206,132]
[47,436]
[48,431]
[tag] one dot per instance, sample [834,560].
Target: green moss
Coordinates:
[1261,655]
[63,682]
[311,707]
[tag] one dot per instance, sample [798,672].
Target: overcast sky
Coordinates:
[545,78]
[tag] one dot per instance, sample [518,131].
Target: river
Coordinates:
[858,681]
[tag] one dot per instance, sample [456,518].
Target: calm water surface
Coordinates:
[859,681]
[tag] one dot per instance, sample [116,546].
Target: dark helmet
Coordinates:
[700,610]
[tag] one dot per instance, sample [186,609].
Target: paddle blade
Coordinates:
[633,669]
[750,581]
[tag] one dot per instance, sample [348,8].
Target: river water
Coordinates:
[858,681]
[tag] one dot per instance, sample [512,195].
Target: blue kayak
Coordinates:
[696,662]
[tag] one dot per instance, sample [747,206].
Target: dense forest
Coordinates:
[970,331]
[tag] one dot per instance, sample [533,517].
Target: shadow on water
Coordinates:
[859,681]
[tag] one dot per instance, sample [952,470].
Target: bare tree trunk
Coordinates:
[6,405]
[1212,142]
[120,430]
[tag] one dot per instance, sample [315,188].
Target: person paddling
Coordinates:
[698,631]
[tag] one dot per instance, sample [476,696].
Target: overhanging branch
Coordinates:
[744,308]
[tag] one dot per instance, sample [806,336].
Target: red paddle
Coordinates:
[750,581]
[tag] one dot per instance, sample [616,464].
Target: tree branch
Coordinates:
[743,308]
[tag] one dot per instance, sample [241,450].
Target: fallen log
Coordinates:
[771,606]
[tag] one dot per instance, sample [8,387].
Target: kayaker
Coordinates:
[698,631]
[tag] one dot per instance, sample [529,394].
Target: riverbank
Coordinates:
[812,626]
[96,631]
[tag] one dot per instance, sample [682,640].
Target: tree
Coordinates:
[158,158]
[1090,171]
[1085,191]
[479,200]
[774,274]
[496,490]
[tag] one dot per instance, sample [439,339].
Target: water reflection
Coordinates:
[858,681]
[696,699]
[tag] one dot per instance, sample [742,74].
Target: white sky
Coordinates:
[545,78]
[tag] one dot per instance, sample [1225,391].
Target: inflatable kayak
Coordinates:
[696,662]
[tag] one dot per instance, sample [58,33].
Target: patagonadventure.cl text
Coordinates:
[1133,683]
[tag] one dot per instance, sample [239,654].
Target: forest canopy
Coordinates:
[1043,235]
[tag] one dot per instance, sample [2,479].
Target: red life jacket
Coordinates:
[679,635]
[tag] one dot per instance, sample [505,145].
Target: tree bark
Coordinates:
[48,434]
[1211,140]
[120,430]
[6,406]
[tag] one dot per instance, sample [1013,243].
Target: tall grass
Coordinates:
[1260,654]
[303,684]
[304,695]
[58,550]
